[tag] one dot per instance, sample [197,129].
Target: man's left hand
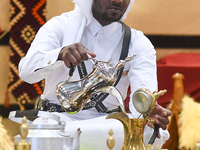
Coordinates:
[160,116]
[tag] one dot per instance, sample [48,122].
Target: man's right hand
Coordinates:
[74,54]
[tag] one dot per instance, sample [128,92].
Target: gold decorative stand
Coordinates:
[23,144]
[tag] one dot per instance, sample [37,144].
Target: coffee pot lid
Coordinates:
[143,101]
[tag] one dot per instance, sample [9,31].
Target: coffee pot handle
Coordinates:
[153,137]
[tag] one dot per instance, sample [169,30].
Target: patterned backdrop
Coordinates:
[27,16]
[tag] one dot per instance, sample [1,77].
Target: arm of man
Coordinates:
[143,74]
[41,58]
[47,52]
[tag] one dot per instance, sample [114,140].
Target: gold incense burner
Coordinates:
[75,94]
[144,102]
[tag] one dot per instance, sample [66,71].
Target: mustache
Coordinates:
[114,5]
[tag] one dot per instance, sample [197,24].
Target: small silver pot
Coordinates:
[48,136]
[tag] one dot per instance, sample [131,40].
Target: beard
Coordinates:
[112,18]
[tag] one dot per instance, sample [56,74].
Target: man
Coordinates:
[93,28]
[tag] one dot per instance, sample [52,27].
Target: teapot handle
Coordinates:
[153,137]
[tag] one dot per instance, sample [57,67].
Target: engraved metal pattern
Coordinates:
[73,95]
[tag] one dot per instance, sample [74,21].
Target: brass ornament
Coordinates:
[110,140]
[23,144]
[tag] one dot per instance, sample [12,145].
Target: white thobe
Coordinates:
[106,42]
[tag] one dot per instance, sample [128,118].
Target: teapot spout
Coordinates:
[76,140]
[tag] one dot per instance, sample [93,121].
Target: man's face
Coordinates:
[108,11]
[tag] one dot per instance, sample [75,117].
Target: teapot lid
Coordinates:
[44,126]
[17,116]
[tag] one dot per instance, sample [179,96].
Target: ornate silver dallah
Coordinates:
[73,95]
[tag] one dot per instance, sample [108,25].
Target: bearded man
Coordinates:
[94,27]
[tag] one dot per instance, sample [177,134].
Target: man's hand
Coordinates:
[160,116]
[74,54]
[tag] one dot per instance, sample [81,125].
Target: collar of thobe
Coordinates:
[95,27]
[81,17]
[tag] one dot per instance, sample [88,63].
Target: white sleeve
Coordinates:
[142,69]
[41,58]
